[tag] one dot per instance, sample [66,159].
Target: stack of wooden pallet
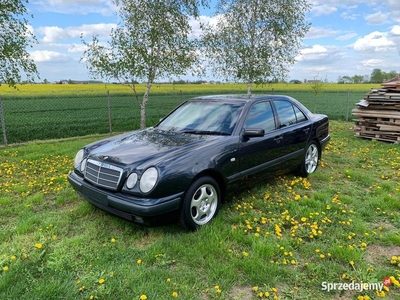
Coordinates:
[379,113]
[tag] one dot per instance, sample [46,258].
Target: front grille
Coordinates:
[103,174]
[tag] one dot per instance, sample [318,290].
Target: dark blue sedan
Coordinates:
[183,167]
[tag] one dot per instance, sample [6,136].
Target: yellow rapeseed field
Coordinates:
[96,89]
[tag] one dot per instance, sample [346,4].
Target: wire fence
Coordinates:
[54,117]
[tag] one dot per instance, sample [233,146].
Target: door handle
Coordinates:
[278,139]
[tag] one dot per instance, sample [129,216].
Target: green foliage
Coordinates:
[15,37]
[316,87]
[151,41]
[255,41]
[378,76]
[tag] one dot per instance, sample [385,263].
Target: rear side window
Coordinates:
[288,114]
[299,114]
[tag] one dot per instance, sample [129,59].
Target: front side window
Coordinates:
[261,116]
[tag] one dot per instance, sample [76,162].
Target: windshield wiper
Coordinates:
[206,132]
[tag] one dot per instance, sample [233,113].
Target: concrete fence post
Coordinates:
[3,122]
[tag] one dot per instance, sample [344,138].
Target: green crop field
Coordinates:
[37,112]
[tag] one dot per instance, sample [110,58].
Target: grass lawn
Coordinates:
[288,238]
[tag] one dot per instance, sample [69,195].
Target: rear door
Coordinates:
[296,130]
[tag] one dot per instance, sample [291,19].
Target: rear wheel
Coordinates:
[310,160]
[201,203]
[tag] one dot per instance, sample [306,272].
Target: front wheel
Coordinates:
[310,160]
[200,204]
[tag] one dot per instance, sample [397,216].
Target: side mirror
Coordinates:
[253,132]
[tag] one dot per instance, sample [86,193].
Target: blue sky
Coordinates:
[346,38]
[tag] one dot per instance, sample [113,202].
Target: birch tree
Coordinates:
[151,41]
[255,41]
[15,37]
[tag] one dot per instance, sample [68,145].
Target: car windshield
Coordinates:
[203,117]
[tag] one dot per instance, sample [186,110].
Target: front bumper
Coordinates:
[139,210]
[325,141]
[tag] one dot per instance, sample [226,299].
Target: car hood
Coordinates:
[149,144]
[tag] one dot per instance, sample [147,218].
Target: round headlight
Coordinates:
[83,165]
[78,159]
[148,180]
[131,181]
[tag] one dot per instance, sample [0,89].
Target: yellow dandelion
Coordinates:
[101,281]
[38,246]
[139,261]
[245,253]
[5,268]
[13,257]
[174,294]
[143,297]
[168,279]
[112,240]
[255,288]
[322,255]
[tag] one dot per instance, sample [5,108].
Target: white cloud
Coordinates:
[375,41]
[395,30]
[347,36]
[76,48]
[319,32]
[371,63]
[52,34]
[324,9]
[316,52]
[48,56]
[394,35]
[347,16]
[195,24]
[376,18]
[394,4]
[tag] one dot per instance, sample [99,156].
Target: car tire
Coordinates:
[310,161]
[200,204]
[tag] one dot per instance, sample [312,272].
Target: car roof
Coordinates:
[240,97]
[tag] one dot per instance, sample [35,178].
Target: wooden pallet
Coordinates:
[382,139]
[378,114]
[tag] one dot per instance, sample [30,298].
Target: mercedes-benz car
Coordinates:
[204,150]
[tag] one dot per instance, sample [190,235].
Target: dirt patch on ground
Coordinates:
[377,253]
[242,293]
